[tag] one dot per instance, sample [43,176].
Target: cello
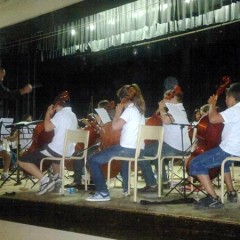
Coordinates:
[209,135]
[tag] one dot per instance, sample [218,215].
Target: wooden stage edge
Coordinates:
[134,221]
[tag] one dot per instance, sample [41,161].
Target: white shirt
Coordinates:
[63,120]
[230,142]
[129,133]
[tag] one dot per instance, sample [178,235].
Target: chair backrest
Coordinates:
[76,136]
[148,132]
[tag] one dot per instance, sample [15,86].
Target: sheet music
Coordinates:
[103,114]
[178,112]
[5,122]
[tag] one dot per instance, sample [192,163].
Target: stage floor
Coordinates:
[120,218]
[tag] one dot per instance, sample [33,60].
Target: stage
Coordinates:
[120,218]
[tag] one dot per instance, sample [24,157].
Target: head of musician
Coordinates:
[27,118]
[169,83]
[132,94]
[233,94]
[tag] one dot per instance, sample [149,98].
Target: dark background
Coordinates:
[199,61]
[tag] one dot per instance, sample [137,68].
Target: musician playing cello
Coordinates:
[229,146]
[128,116]
[58,118]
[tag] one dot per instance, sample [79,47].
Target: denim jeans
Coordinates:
[150,150]
[207,160]
[95,164]
[79,164]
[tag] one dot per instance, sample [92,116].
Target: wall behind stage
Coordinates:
[198,61]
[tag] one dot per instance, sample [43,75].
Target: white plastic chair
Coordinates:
[234,159]
[146,132]
[72,137]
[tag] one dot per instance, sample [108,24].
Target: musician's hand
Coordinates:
[118,110]
[50,111]
[26,89]
[162,106]
[212,100]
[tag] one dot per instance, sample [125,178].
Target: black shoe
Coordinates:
[209,202]
[148,189]
[232,196]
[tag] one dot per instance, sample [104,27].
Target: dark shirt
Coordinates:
[6,93]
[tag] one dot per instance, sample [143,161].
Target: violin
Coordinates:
[209,135]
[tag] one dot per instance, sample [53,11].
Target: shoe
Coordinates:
[166,185]
[58,184]
[232,196]
[73,185]
[99,197]
[4,177]
[125,192]
[46,187]
[209,202]
[148,189]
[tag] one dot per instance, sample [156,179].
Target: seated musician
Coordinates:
[24,132]
[229,146]
[172,144]
[129,115]
[93,122]
[6,157]
[58,118]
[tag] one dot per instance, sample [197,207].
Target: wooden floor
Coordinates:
[120,218]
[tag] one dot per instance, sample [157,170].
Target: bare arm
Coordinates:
[214,116]
[166,118]
[48,125]
[117,122]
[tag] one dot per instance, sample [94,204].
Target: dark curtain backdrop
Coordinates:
[198,61]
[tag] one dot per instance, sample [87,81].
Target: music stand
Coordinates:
[18,126]
[179,114]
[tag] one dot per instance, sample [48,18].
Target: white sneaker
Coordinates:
[46,187]
[99,197]
[58,184]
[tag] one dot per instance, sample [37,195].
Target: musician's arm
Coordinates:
[48,125]
[213,114]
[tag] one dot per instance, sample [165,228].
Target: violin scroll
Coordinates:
[226,81]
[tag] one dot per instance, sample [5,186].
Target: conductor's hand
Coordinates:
[26,89]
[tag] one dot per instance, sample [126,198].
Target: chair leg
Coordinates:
[135,182]
[222,181]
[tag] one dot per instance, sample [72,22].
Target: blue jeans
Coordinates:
[95,164]
[78,166]
[207,160]
[150,150]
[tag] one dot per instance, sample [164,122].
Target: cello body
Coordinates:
[208,136]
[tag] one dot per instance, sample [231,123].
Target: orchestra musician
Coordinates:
[58,118]
[172,143]
[129,114]
[93,122]
[229,146]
